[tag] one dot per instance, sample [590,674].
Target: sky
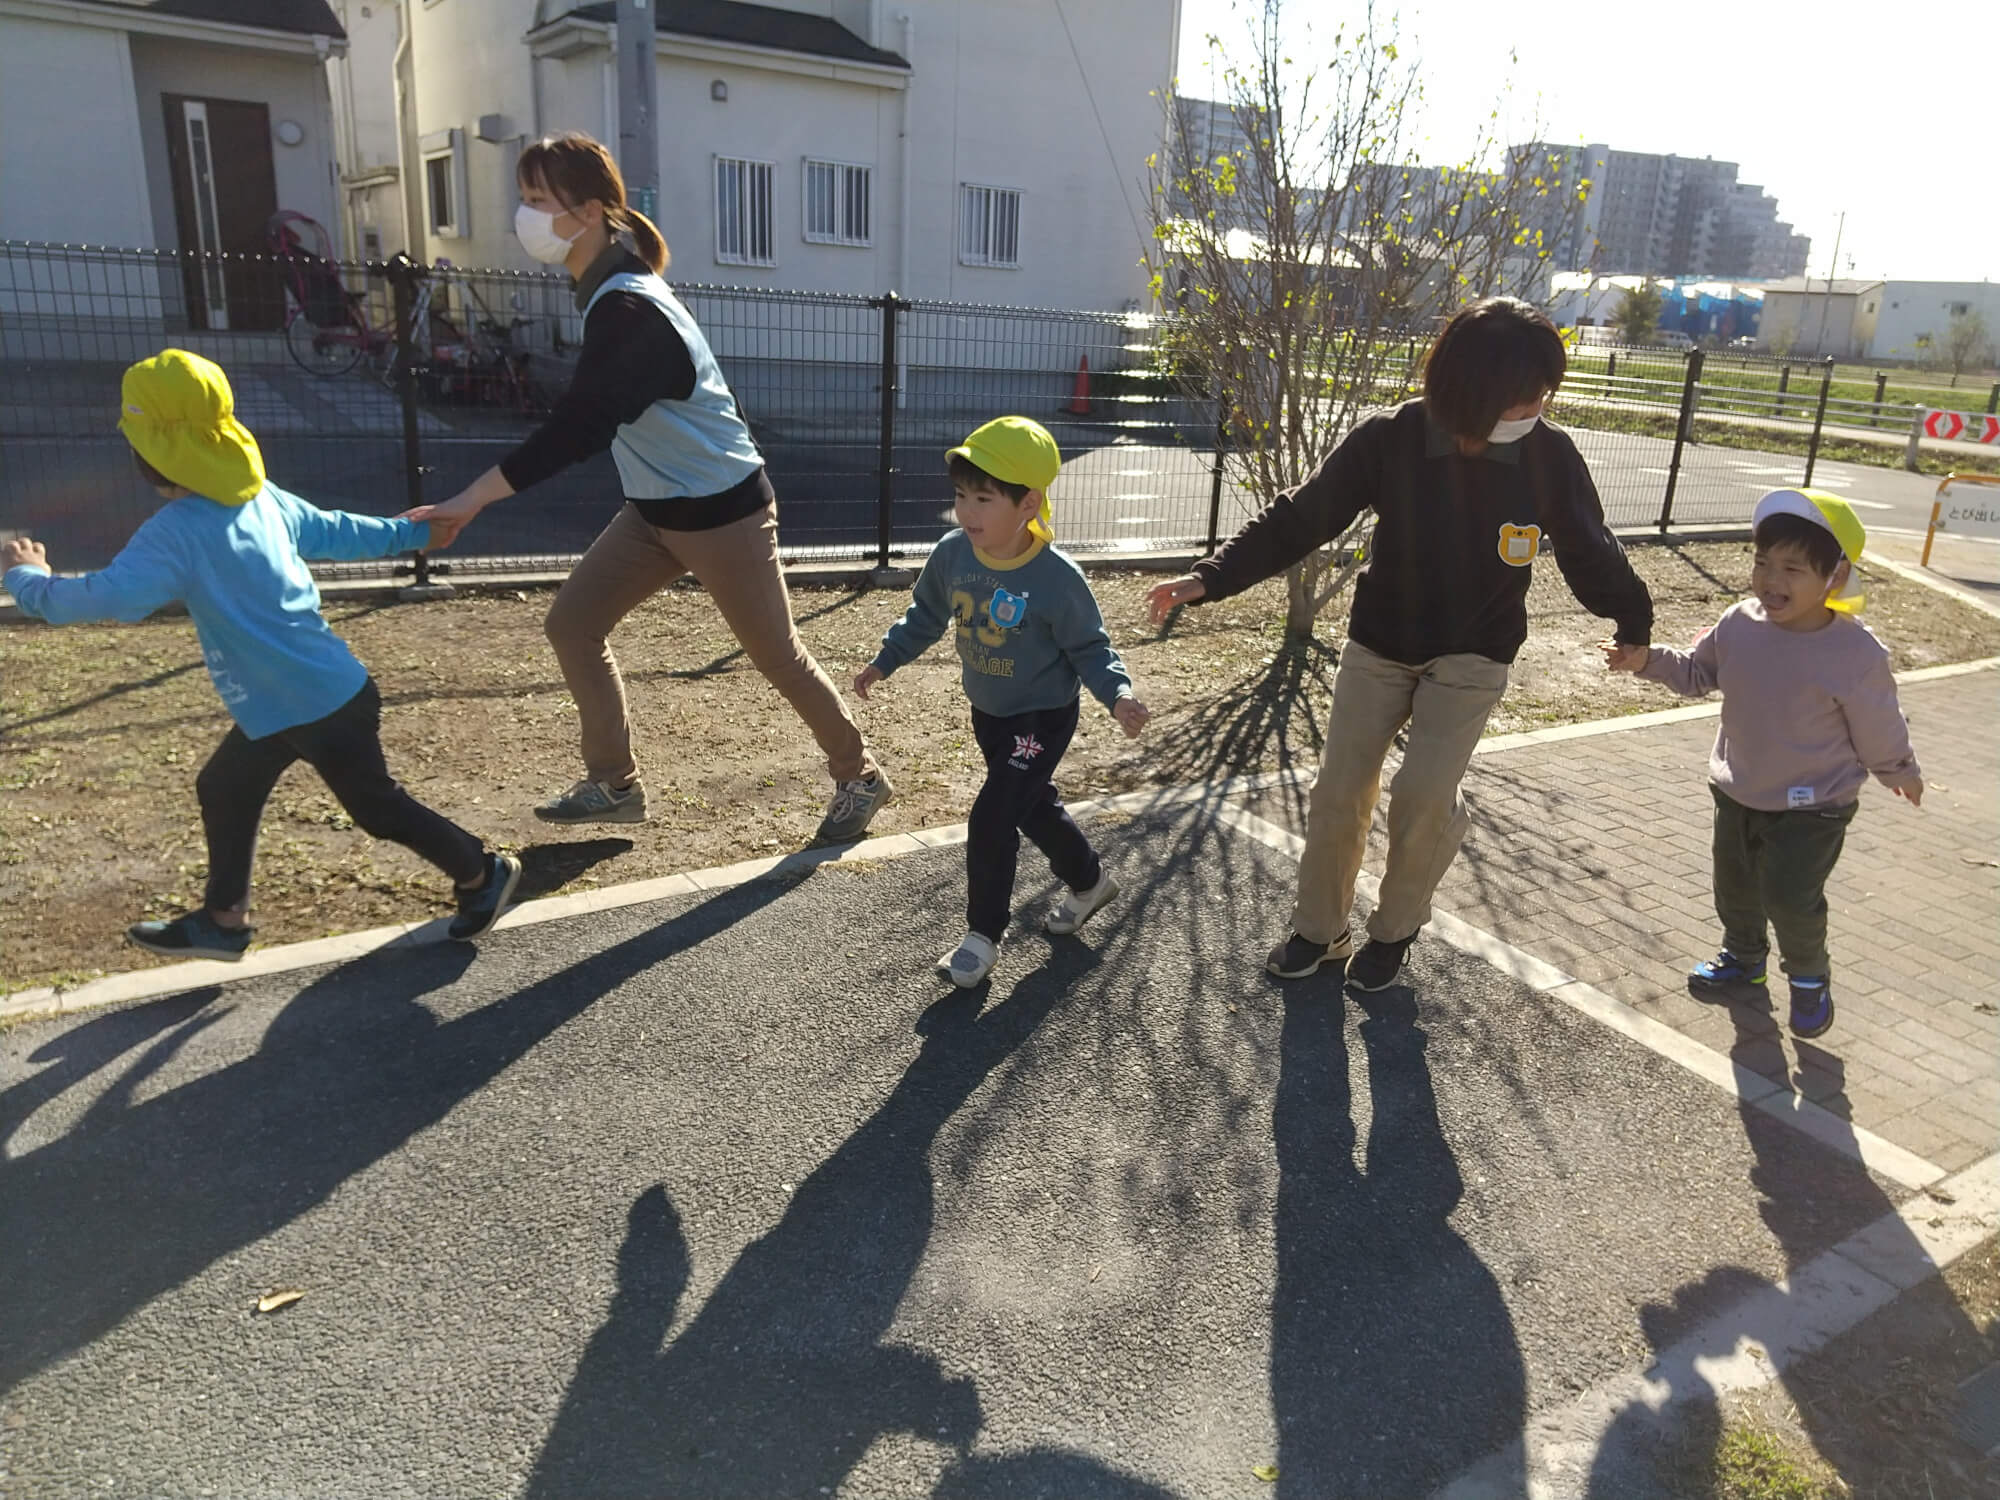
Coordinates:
[1830,109]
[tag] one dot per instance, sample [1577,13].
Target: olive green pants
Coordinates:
[1770,873]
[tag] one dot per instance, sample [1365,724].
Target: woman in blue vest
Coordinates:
[697,499]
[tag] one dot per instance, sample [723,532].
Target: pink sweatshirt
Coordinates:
[1806,715]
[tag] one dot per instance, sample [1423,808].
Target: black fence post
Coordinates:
[885,463]
[1611,365]
[1784,380]
[1681,429]
[404,274]
[1881,386]
[1215,480]
[1993,399]
[1819,416]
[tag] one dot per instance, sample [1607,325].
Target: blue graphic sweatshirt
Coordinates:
[1029,630]
[240,570]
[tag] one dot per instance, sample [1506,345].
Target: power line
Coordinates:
[1102,134]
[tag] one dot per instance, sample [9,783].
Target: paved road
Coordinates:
[730,1196]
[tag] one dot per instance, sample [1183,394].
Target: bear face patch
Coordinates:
[1007,610]
[1519,545]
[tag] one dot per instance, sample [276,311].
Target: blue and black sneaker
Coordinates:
[480,907]
[193,935]
[1725,972]
[1812,1005]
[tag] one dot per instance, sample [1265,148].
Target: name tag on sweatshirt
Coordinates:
[1799,796]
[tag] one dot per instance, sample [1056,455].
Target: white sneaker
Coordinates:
[971,961]
[1077,906]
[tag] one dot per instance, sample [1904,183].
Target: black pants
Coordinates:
[346,749]
[1021,752]
[1771,868]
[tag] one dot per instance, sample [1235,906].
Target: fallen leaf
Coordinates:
[1940,1195]
[1095,1272]
[1973,859]
[1266,1472]
[271,1302]
[1986,1007]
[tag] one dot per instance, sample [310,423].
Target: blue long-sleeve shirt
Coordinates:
[241,572]
[1029,629]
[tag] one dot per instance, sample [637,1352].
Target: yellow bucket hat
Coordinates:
[181,418]
[1837,516]
[1016,450]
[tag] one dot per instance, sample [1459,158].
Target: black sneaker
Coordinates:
[194,935]
[1296,957]
[480,907]
[1375,966]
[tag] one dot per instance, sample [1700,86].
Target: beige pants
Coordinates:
[1446,703]
[738,565]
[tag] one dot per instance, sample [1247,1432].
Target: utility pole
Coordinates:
[1832,270]
[638,119]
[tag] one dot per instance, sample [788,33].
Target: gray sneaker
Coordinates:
[854,805]
[596,802]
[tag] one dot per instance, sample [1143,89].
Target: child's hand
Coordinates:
[1910,786]
[23,552]
[1620,657]
[1131,715]
[865,679]
[1162,599]
[445,525]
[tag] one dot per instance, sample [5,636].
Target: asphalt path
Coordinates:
[730,1195]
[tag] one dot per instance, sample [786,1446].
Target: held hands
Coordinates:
[1909,785]
[1162,599]
[21,551]
[865,679]
[1130,713]
[446,521]
[1620,657]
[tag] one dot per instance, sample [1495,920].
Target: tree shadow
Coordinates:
[136,1197]
[1263,719]
[116,690]
[550,867]
[1811,1197]
[1372,1395]
[783,1379]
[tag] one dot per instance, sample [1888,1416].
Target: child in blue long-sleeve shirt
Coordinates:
[232,548]
[1029,635]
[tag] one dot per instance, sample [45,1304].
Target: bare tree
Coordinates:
[1965,344]
[1304,270]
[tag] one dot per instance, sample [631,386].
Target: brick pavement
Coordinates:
[1593,854]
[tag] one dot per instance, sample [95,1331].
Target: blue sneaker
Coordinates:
[1812,1005]
[1726,971]
[193,935]
[480,908]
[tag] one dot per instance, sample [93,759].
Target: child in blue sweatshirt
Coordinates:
[231,547]
[1029,633]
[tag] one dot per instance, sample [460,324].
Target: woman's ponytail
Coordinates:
[646,239]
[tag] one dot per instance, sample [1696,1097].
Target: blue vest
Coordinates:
[680,449]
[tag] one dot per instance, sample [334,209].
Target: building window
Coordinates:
[444,183]
[1959,309]
[991,219]
[743,234]
[837,208]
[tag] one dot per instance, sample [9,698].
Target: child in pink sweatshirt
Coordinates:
[1808,711]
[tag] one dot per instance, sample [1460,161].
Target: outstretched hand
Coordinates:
[1162,599]
[23,552]
[865,679]
[446,521]
[1620,657]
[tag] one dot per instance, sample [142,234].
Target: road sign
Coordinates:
[1970,513]
[1949,426]
[1944,424]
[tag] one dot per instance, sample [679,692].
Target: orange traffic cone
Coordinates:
[1079,401]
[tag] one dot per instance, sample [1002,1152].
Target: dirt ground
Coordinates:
[102,729]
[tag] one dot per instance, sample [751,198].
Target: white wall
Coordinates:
[470,61]
[70,85]
[291,88]
[1910,308]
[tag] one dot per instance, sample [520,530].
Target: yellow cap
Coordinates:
[1017,450]
[181,418]
[1838,517]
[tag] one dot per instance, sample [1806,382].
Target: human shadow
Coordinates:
[137,1197]
[1811,1197]
[782,1380]
[550,867]
[1394,1360]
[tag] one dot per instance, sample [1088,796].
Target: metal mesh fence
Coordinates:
[852,400]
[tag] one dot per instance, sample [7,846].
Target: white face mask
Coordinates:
[536,230]
[1505,431]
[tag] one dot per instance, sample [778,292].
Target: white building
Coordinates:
[168,124]
[1913,317]
[964,150]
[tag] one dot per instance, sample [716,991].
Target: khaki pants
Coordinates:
[1446,703]
[738,565]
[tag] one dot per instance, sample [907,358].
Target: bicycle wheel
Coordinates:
[323,351]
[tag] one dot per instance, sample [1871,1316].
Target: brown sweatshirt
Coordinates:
[1806,714]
